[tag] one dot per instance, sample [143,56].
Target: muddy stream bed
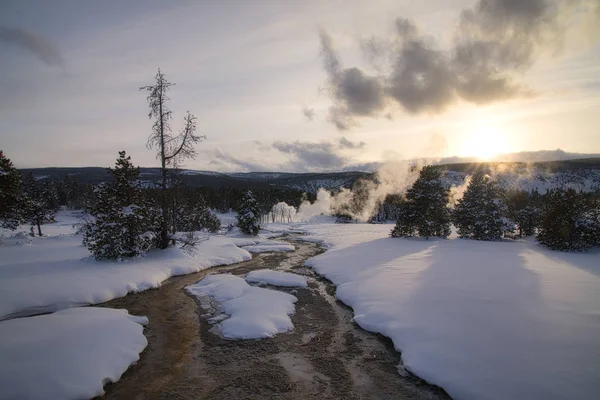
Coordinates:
[326,356]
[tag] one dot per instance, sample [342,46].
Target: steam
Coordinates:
[457,192]
[282,212]
[360,204]
[495,42]
[321,206]
[39,46]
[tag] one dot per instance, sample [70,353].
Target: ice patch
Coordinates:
[276,278]
[253,312]
[270,246]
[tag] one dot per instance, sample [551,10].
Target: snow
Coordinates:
[483,320]
[276,278]
[70,354]
[253,312]
[51,273]
[270,246]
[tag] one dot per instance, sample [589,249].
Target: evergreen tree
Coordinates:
[125,224]
[481,214]
[196,216]
[40,202]
[425,212]
[249,215]
[569,221]
[388,209]
[10,194]
[524,210]
[406,224]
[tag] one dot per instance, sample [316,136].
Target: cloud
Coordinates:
[298,156]
[318,156]
[494,44]
[308,113]
[353,92]
[345,143]
[39,46]
[421,78]
[223,158]
[312,155]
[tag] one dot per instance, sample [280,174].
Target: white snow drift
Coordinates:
[253,312]
[276,278]
[503,320]
[269,246]
[70,354]
[53,273]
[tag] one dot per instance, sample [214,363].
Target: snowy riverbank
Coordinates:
[500,320]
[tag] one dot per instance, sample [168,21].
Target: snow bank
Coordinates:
[276,278]
[64,224]
[253,312]
[270,246]
[70,354]
[53,273]
[503,320]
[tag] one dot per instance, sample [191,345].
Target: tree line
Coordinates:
[561,219]
[125,217]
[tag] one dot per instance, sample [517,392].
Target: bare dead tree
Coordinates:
[171,149]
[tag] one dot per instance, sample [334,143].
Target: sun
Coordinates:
[485,143]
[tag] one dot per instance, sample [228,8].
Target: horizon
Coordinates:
[305,87]
[548,156]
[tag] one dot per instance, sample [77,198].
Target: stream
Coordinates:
[326,356]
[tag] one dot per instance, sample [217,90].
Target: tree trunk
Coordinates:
[39,226]
[164,228]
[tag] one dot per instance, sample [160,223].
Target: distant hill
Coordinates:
[585,172]
[309,182]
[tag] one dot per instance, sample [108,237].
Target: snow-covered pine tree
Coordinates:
[10,194]
[40,202]
[406,224]
[125,224]
[249,215]
[524,210]
[481,214]
[425,211]
[196,216]
[569,221]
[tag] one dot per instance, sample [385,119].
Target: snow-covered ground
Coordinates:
[276,278]
[502,320]
[70,354]
[52,273]
[246,312]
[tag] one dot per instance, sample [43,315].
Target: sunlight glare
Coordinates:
[485,143]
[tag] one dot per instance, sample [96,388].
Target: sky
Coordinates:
[299,85]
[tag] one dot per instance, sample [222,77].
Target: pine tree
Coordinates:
[10,194]
[125,224]
[481,214]
[40,202]
[406,224]
[569,221]
[425,212]
[194,215]
[249,215]
[524,210]
[171,149]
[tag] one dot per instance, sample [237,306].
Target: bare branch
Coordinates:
[187,139]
